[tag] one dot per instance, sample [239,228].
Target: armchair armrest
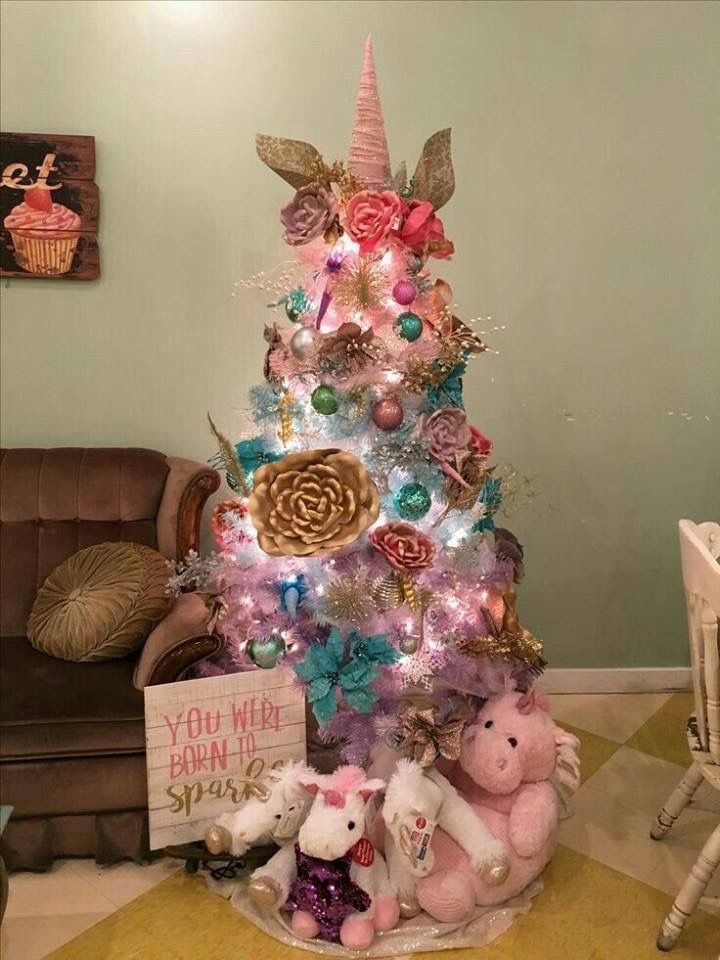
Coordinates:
[187,488]
[182,639]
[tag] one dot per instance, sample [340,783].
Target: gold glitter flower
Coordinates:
[311,502]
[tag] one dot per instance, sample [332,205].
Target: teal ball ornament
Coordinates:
[409,326]
[412,501]
[324,400]
[266,652]
[296,304]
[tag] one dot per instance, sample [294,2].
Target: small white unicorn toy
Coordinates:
[337,883]
[274,813]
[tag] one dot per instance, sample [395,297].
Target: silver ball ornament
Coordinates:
[409,645]
[302,343]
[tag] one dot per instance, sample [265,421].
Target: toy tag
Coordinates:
[363,853]
[288,826]
[419,833]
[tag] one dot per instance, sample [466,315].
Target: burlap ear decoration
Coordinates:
[434,178]
[295,161]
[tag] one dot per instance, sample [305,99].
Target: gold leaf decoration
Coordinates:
[293,160]
[434,176]
[230,463]
[514,642]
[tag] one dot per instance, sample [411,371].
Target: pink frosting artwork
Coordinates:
[369,158]
[40,223]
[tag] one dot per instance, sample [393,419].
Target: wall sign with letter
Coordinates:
[48,206]
[208,739]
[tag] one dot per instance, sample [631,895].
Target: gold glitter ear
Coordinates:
[293,160]
[434,178]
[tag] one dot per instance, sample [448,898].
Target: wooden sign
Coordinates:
[48,207]
[208,739]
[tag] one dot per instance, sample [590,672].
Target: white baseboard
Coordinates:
[616,680]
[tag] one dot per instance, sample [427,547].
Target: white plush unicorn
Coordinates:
[336,883]
[417,801]
[274,813]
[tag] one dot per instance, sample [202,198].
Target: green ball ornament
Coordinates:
[412,501]
[324,400]
[296,304]
[265,653]
[409,326]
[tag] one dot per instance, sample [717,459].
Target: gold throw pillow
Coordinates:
[101,603]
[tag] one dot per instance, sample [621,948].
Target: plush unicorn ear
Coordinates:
[542,702]
[310,786]
[526,703]
[370,787]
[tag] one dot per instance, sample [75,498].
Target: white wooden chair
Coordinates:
[699,552]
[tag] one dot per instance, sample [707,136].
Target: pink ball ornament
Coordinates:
[404,292]
[387,414]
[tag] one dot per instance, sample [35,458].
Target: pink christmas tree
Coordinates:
[363,547]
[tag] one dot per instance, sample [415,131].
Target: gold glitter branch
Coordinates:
[230,462]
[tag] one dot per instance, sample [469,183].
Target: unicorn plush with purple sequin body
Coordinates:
[337,882]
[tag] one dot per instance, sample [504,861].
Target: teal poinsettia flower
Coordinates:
[373,649]
[327,672]
[491,496]
[252,454]
[449,392]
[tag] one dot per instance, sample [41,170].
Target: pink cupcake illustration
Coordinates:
[44,234]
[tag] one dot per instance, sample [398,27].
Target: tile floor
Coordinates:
[605,893]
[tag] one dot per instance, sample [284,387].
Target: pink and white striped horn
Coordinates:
[369,159]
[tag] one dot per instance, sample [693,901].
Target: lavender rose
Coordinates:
[310,213]
[448,433]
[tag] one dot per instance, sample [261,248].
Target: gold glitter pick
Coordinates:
[514,642]
[230,462]
[286,428]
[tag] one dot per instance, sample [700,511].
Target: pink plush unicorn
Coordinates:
[338,886]
[508,756]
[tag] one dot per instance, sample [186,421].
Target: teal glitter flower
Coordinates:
[252,454]
[491,496]
[328,673]
[449,392]
[373,649]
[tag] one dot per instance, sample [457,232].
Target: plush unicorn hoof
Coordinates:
[447,897]
[495,871]
[387,913]
[264,891]
[356,933]
[304,925]
[409,907]
[217,839]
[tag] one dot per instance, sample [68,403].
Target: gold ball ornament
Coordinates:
[312,502]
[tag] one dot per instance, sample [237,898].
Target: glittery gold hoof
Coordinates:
[264,891]
[409,907]
[495,872]
[217,839]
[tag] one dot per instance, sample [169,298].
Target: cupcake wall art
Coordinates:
[49,206]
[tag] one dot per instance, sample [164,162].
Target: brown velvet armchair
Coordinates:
[72,738]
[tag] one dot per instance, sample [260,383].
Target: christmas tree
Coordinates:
[362,548]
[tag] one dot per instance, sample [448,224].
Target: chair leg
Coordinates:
[677,801]
[690,892]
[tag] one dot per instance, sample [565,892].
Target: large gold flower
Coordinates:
[311,502]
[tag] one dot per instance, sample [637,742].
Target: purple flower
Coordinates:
[310,213]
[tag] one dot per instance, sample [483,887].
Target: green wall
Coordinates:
[586,221]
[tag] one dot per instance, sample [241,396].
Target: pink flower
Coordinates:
[448,433]
[369,217]
[403,546]
[423,231]
[480,443]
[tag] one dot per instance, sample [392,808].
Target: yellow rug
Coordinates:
[586,912]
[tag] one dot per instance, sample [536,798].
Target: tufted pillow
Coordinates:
[101,603]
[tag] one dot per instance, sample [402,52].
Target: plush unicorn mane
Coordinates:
[346,780]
